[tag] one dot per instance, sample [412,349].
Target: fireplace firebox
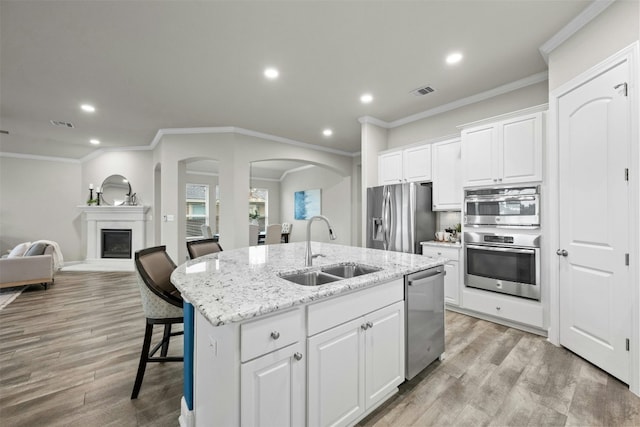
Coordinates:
[116,243]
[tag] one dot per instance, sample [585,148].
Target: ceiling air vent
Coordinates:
[424,90]
[62,124]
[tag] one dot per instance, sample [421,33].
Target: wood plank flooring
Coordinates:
[68,356]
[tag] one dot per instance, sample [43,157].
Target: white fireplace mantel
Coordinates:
[114,217]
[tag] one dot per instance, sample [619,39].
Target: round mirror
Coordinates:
[116,190]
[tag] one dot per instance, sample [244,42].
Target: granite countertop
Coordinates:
[436,243]
[239,284]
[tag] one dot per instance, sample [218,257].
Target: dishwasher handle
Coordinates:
[423,277]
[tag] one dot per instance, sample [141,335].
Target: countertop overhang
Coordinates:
[240,284]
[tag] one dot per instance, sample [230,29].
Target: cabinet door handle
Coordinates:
[369,325]
[297,356]
[498,308]
[275,335]
[364,326]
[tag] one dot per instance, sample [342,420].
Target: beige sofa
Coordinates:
[27,270]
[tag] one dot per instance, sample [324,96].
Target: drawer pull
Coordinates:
[369,325]
[275,335]
[364,326]
[498,308]
[297,356]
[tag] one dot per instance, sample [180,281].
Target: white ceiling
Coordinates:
[181,64]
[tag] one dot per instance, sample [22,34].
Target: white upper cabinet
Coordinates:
[504,152]
[447,176]
[408,165]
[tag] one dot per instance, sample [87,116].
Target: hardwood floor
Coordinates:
[68,356]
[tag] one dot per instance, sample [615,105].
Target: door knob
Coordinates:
[562,252]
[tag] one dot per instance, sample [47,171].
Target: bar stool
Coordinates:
[198,248]
[161,303]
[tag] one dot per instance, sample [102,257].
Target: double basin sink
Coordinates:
[329,274]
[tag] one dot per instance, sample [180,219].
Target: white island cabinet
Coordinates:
[271,352]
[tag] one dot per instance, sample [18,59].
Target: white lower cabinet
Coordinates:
[325,363]
[453,279]
[273,389]
[353,366]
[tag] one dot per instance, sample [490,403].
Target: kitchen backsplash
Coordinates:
[448,219]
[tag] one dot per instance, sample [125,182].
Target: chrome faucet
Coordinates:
[308,255]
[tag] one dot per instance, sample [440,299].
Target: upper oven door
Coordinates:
[502,210]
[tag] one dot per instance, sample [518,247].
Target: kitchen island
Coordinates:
[268,350]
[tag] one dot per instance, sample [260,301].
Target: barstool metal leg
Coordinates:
[165,340]
[144,356]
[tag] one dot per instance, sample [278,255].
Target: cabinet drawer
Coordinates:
[436,252]
[266,335]
[327,314]
[511,308]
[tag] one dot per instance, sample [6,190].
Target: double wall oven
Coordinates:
[504,256]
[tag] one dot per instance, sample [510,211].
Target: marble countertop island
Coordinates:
[240,284]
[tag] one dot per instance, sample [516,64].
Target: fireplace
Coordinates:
[116,243]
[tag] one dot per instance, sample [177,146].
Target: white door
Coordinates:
[384,352]
[336,375]
[593,125]
[451,283]
[272,389]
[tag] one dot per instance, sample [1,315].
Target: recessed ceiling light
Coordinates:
[88,108]
[271,73]
[366,98]
[327,132]
[94,141]
[454,58]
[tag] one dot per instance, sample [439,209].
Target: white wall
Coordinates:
[446,123]
[38,200]
[615,28]
[235,152]
[336,200]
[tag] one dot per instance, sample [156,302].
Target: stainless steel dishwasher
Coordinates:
[424,319]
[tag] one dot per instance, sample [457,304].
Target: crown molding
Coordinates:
[582,19]
[374,121]
[246,132]
[482,96]
[44,158]
[298,169]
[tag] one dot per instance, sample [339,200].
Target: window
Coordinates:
[258,198]
[197,208]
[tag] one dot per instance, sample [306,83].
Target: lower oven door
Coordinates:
[508,270]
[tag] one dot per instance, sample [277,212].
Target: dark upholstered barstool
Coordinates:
[162,304]
[198,248]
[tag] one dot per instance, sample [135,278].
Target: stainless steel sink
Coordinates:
[348,270]
[310,278]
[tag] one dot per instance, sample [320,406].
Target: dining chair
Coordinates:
[198,248]
[254,230]
[161,303]
[274,234]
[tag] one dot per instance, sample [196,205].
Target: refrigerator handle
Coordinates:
[385,217]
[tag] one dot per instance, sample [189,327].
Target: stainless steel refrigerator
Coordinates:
[399,217]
